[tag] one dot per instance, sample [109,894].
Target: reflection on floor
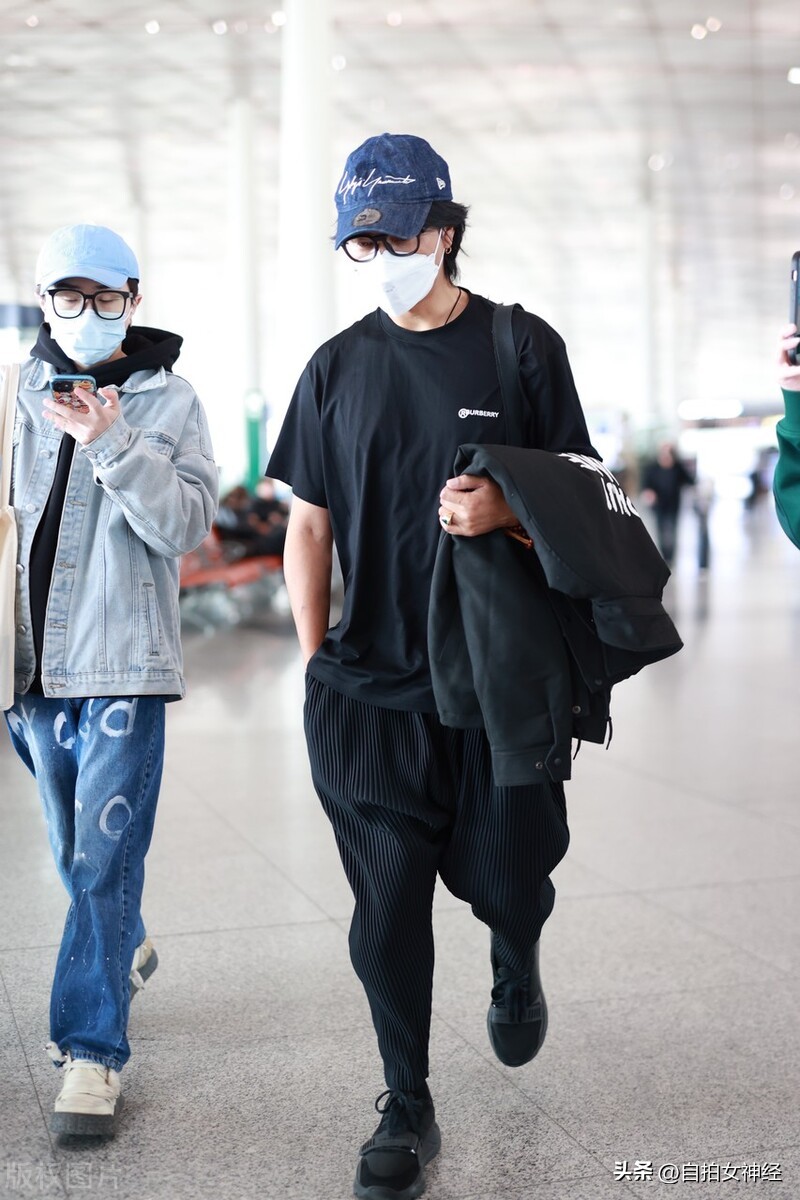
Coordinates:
[671,962]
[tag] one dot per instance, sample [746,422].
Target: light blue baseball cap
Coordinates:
[87,251]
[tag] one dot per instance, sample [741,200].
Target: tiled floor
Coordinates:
[672,961]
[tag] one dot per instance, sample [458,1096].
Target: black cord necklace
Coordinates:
[453,309]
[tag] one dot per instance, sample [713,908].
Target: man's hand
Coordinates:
[788,373]
[87,423]
[473,504]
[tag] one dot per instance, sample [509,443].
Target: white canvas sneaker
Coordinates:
[89,1101]
[145,961]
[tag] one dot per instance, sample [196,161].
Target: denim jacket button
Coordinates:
[30,508]
[22,629]
[20,568]
[540,766]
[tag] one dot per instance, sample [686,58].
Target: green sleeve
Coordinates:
[786,483]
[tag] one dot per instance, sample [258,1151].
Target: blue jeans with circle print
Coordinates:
[98,767]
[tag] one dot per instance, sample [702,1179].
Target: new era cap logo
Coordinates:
[367,216]
[441,183]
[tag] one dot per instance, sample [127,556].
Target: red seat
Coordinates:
[208,565]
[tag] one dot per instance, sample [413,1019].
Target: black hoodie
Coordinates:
[145,350]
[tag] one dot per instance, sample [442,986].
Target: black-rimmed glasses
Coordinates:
[69,302]
[364,246]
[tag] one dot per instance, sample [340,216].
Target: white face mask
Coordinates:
[87,339]
[403,282]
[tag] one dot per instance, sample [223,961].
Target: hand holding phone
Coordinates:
[794,305]
[63,388]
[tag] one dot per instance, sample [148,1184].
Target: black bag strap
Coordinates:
[507,361]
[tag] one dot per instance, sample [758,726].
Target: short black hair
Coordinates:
[444,214]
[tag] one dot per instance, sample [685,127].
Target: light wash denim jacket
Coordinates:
[140,495]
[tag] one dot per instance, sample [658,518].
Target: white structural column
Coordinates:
[651,413]
[140,245]
[243,242]
[304,315]
[243,299]
[660,299]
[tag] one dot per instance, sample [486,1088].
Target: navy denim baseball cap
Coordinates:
[388,186]
[88,252]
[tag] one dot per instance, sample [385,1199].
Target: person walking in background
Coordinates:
[663,481]
[702,503]
[786,481]
[367,445]
[109,491]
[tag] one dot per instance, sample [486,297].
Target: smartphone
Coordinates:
[63,389]
[794,304]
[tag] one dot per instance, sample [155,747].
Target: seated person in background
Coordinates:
[256,525]
[271,515]
[231,521]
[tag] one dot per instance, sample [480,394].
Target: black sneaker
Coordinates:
[390,1164]
[517,1017]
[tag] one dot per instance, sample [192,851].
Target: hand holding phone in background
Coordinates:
[789,344]
[794,305]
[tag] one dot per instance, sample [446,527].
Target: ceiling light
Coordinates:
[279,17]
[219,27]
[338,62]
[32,22]
[152,27]
[394,19]
[713,25]
[786,192]
[699,32]
[656,162]
[794,75]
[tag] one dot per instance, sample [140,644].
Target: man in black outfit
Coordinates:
[663,481]
[367,446]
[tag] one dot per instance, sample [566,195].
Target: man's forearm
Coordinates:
[307,562]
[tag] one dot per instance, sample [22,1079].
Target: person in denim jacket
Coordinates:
[109,491]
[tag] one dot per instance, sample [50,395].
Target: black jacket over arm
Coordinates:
[527,644]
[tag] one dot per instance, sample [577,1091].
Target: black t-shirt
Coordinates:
[371,434]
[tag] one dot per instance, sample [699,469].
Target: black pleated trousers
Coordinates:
[409,799]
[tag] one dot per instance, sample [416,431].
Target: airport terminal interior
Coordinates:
[633,172]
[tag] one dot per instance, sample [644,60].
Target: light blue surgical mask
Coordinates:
[87,339]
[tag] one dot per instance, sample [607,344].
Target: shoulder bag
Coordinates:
[8,536]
